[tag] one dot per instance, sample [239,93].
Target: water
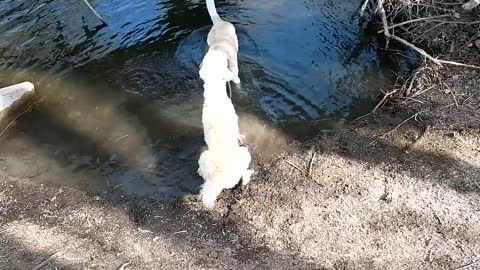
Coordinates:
[120,105]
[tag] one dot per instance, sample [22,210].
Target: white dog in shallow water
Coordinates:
[225,162]
[223,37]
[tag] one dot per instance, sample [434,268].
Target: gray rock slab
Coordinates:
[13,96]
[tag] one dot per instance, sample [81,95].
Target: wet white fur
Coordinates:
[223,37]
[225,162]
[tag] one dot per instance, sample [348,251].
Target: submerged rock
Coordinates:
[12,97]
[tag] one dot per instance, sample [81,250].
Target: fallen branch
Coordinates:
[386,31]
[416,20]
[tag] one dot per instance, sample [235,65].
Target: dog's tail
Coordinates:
[209,193]
[212,11]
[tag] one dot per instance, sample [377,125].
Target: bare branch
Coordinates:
[364,6]
[416,20]
[386,31]
[94,12]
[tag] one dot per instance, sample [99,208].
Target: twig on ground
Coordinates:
[454,98]
[439,222]
[383,101]
[379,105]
[5,230]
[175,233]
[45,262]
[124,265]
[466,43]
[423,91]
[476,183]
[363,116]
[296,167]
[121,137]
[426,31]
[415,115]
[412,80]
[468,98]
[413,99]
[437,217]
[310,163]
[466,265]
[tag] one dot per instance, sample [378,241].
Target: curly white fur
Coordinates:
[223,37]
[225,162]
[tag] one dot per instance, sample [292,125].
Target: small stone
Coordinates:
[456,15]
[446,91]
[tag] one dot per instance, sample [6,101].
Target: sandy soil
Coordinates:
[382,193]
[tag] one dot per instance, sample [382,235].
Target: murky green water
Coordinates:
[121,104]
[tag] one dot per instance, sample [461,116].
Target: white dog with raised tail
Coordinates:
[225,162]
[222,37]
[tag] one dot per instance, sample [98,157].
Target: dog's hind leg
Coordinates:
[244,159]
[209,193]
[247,176]
[236,79]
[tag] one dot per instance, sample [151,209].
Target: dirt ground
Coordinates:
[398,189]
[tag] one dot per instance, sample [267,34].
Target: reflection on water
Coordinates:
[122,102]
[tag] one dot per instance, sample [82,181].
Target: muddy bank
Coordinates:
[387,205]
[398,189]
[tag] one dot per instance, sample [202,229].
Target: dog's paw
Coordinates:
[246,177]
[236,80]
[209,204]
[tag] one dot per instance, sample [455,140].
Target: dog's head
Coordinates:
[214,67]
